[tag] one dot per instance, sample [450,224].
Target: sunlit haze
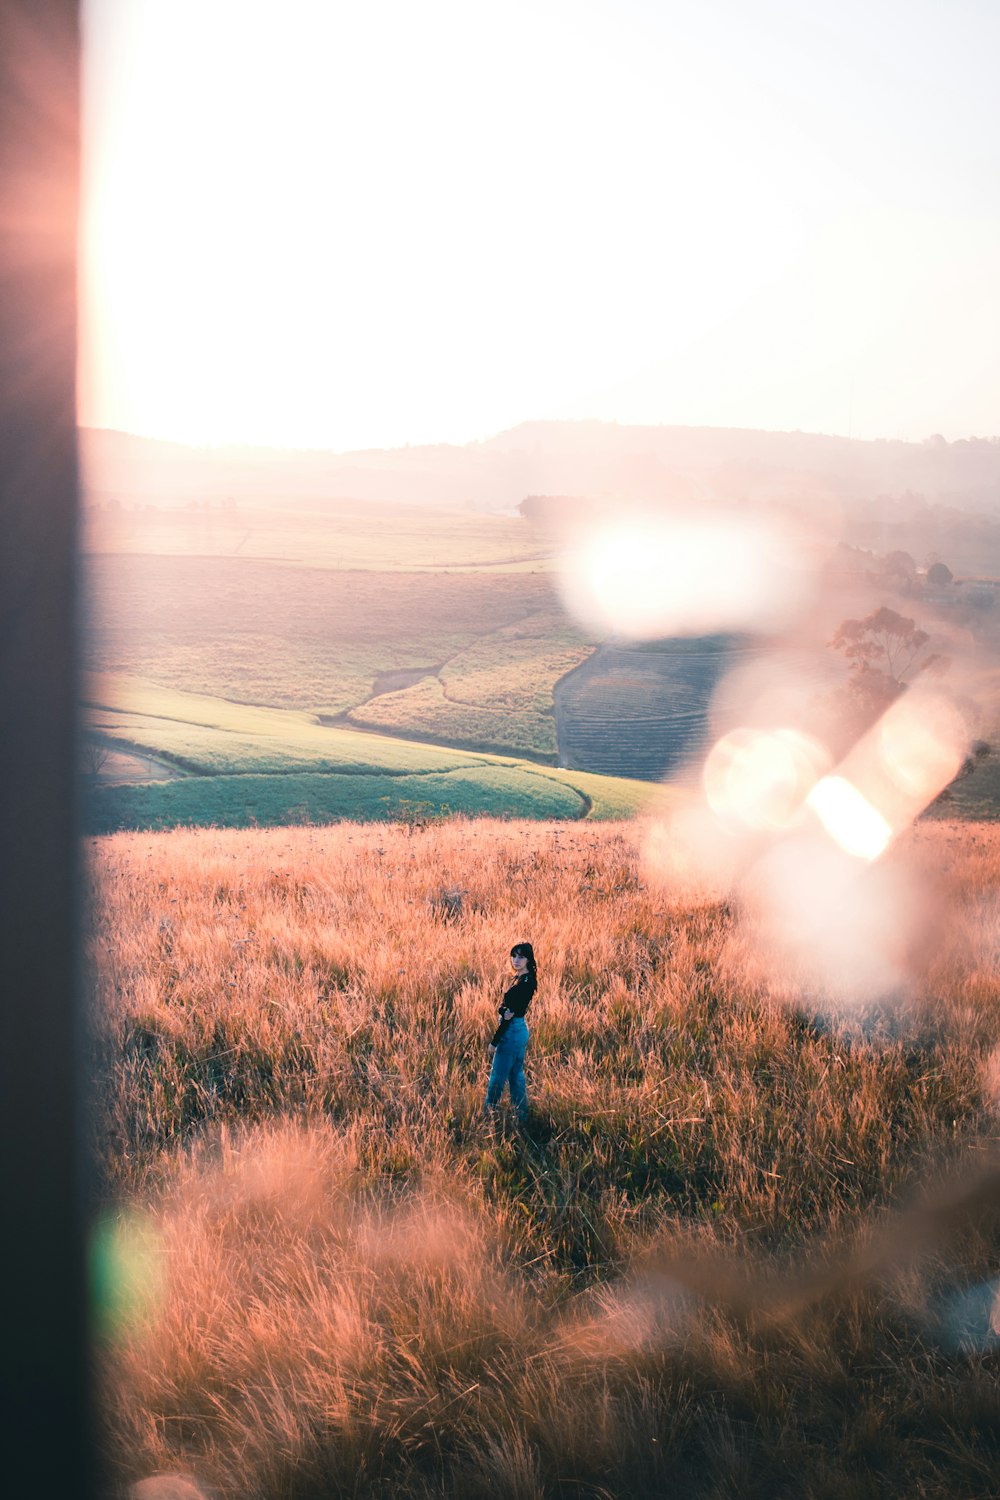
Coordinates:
[338,226]
[680,576]
[494,540]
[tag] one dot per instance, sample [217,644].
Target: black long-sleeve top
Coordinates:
[516,1000]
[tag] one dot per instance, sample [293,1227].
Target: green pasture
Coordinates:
[611,797]
[425,709]
[243,766]
[976,797]
[273,801]
[210,737]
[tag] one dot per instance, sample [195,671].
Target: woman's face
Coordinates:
[520,963]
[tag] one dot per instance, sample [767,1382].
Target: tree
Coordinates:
[899,563]
[897,571]
[884,650]
[939,575]
[94,755]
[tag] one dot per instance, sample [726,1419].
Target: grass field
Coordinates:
[340,536]
[458,651]
[262,801]
[240,766]
[704,1269]
[496,693]
[303,637]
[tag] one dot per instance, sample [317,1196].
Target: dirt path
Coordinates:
[559,706]
[119,767]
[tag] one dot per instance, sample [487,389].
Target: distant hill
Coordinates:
[599,460]
[132,470]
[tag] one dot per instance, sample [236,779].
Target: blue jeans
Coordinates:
[508,1068]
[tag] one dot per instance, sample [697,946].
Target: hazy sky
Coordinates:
[333,224]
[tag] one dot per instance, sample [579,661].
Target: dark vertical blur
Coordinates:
[45,1447]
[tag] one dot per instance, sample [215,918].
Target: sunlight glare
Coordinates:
[892,774]
[801,844]
[760,778]
[849,818]
[646,578]
[847,929]
[921,744]
[687,853]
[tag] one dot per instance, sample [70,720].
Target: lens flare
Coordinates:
[688,854]
[782,686]
[127,1273]
[167,1487]
[849,818]
[802,843]
[968,1321]
[921,744]
[759,779]
[645,579]
[834,926]
[892,773]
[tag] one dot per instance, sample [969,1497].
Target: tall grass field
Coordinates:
[747,1245]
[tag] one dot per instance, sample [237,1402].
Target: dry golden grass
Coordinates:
[699,1271]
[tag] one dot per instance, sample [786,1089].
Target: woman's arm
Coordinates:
[514,1003]
[505,1015]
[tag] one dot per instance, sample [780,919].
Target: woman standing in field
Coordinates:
[510,1040]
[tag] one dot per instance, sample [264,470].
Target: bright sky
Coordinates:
[348,223]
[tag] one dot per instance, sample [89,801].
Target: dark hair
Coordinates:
[524,950]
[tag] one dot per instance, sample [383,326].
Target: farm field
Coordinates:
[496,693]
[707,1267]
[341,536]
[290,638]
[238,766]
[477,654]
[481,660]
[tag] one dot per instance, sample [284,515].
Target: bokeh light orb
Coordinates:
[760,778]
[835,924]
[855,825]
[127,1272]
[649,578]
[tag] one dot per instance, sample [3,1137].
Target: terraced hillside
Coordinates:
[641,711]
[193,760]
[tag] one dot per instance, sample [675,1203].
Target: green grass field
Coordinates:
[243,766]
[233,661]
[267,801]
